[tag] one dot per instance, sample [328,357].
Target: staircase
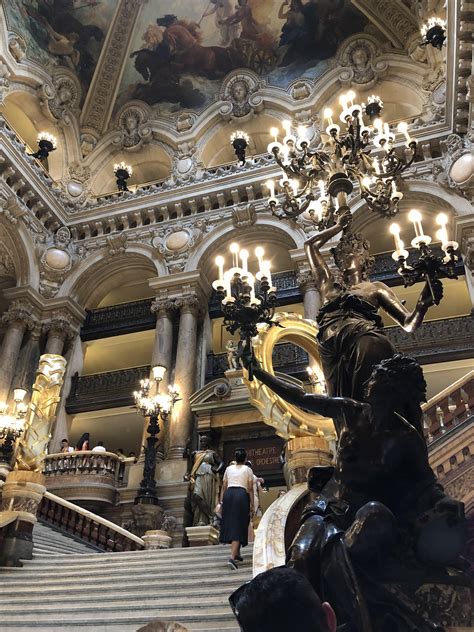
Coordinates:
[64,588]
[48,541]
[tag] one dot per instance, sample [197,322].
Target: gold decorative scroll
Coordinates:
[41,412]
[288,420]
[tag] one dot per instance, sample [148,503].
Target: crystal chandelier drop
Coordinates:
[318,180]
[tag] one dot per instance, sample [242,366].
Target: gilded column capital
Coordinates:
[19,313]
[163,307]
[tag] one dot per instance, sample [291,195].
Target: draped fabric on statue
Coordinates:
[351,343]
[205,486]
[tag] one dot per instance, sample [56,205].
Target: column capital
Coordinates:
[305,280]
[61,326]
[189,304]
[163,307]
[19,312]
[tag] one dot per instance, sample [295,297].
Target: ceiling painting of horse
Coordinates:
[181,50]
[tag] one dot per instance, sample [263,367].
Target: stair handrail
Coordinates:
[95,518]
[448,390]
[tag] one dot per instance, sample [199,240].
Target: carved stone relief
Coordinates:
[64,97]
[175,243]
[132,122]
[359,60]
[17,47]
[239,95]
[244,215]
[56,260]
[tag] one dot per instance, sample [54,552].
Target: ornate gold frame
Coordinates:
[288,420]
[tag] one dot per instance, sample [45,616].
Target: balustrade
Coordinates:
[104,390]
[450,408]
[86,526]
[102,464]
[124,318]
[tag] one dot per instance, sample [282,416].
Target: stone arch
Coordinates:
[100,273]
[19,250]
[271,232]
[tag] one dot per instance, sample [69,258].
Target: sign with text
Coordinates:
[263,453]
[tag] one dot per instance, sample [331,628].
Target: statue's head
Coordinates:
[395,381]
[204,442]
[353,258]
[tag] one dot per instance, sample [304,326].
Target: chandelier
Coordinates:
[122,173]
[428,267]
[246,299]
[318,180]
[46,143]
[434,32]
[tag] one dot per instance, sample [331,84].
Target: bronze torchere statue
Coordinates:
[378,521]
[351,338]
[204,481]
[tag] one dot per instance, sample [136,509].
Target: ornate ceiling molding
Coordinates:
[105,83]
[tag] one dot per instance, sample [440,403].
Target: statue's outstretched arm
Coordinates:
[296,395]
[409,320]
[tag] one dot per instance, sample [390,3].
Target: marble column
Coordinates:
[58,330]
[185,376]
[18,319]
[162,354]
[311,297]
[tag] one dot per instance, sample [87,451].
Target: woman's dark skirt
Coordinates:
[235,516]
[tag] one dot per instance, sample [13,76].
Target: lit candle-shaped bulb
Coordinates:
[310,371]
[220,266]
[234,248]
[259,252]
[287,127]
[442,234]
[415,217]
[351,95]
[270,184]
[376,165]
[328,115]
[266,272]
[301,133]
[343,101]
[244,256]
[403,128]
[395,231]
[294,186]
[367,182]
[321,188]
[274,133]
[386,129]
[378,125]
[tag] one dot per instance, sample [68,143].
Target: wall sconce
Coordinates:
[122,173]
[46,143]
[240,141]
[434,32]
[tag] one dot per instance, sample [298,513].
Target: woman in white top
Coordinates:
[237,505]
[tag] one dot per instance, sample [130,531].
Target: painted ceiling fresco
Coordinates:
[181,50]
[66,33]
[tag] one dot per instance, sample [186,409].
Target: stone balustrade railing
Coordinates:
[124,318]
[86,477]
[102,464]
[450,408]
[87,526]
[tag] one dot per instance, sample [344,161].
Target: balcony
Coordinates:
[125,318]
[90,479]
[104,390]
